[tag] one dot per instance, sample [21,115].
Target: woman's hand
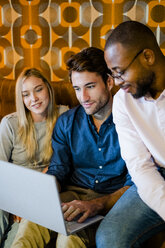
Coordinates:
[45,169]
[16,218]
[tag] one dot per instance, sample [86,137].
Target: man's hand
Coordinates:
[86,209]
[90,208]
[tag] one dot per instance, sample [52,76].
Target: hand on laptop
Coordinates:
[17,219]
[76,208]
[45,169]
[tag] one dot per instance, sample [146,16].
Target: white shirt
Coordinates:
[140,124]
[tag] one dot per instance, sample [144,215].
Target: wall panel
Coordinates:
[44,33]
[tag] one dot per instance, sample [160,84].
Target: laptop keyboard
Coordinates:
[72,225]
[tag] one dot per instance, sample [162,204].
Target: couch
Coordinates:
[64,95]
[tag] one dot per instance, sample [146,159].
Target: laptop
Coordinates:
[34,196]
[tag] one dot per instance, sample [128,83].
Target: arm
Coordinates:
[134,134]
[6,138]
[6,146]
[92,207]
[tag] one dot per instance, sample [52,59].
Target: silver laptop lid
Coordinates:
[32,195]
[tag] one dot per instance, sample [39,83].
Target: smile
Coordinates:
[36,105]
[125,87]
[87,105]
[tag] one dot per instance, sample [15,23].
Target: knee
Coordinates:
[110,234]
[102,239]
[4,223]
[69,241]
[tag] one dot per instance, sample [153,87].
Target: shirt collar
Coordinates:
[149,98]
[109,120]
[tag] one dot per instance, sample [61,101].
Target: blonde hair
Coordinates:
[26,129]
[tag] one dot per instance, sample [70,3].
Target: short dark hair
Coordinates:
[89,59]
[132,35]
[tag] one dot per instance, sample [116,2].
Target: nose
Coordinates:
[84,95]
[118,81]
[33,97]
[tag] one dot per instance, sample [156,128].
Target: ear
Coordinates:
[110,83]
[149,56]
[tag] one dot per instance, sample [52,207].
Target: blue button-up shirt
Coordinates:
[84,157]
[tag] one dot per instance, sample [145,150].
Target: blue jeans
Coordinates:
[129,223]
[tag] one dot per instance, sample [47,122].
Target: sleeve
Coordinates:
[140,163]
[6,139]
[128,181]
[60,164]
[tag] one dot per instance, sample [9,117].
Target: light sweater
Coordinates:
[140,124]
[10,148]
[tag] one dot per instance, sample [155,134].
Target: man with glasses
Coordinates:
[138,68]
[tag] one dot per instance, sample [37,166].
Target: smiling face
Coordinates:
[134,78]
[35,97]
[91,91]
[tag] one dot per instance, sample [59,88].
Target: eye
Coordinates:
[77,89]
[25,94]
[90,86]
[121,73]
[118,75]
[39,89]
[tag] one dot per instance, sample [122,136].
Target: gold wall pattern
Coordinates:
[43,34]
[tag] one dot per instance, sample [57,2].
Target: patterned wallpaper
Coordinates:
[44,33]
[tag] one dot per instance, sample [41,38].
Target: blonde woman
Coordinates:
[26,134]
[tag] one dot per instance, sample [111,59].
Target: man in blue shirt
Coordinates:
[86,154]
[86,157]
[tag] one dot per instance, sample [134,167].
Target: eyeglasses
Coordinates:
[119,75]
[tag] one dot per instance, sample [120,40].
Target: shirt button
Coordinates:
[100,166]
[99,149]
[96,181]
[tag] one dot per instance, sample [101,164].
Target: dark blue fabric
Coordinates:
[85,158]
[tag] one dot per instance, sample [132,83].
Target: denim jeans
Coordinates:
[129,223]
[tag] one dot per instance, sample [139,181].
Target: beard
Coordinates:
[101,105]
[145,86]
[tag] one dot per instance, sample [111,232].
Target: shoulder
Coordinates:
[120,95]
[68,117]
[10,118]
[70,113]
[9,122]
[62,109]
[123,100]
[118,101]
